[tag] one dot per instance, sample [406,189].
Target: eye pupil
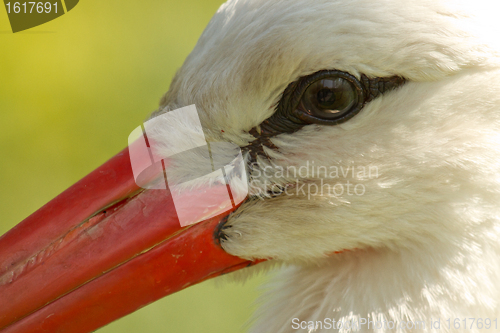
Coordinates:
[326,98]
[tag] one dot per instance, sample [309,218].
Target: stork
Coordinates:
[399,98]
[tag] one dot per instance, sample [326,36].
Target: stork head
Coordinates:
[414,167]
[370,132]
[389,209]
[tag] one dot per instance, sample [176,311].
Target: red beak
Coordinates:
[101,250]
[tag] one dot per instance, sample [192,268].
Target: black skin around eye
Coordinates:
[290,116]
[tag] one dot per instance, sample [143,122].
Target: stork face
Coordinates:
[418,236]
[429,145]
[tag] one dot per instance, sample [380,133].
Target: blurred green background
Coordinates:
[71,91]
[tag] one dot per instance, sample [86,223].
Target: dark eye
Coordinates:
[329,98]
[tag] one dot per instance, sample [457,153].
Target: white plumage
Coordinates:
[423,238]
